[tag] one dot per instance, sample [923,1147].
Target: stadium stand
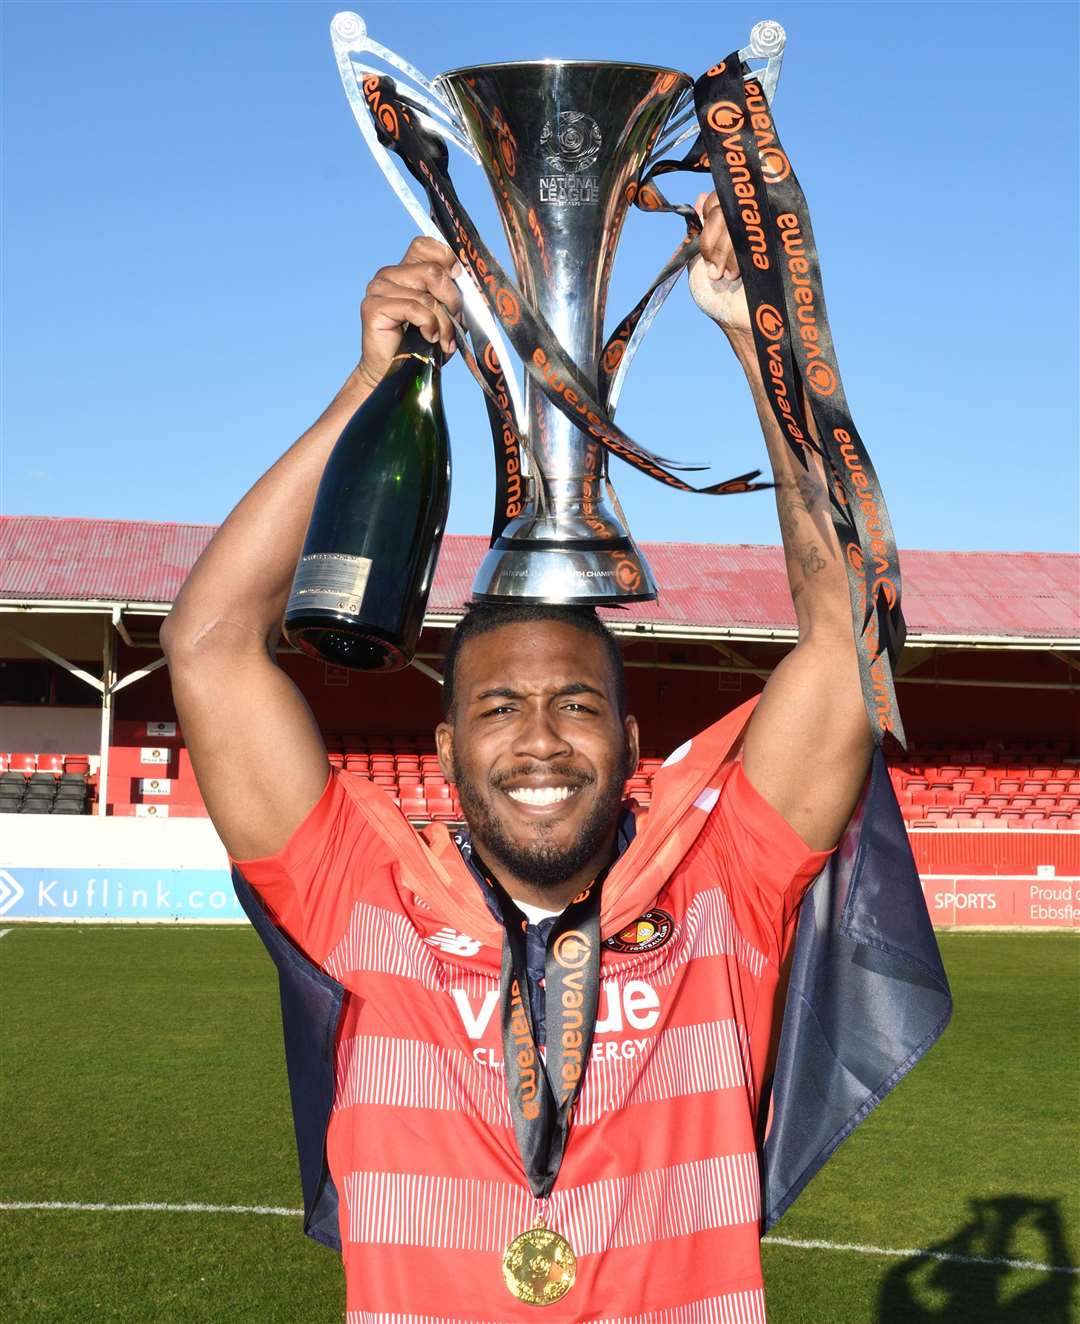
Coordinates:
[44,784]
[1014,787]
[989,685]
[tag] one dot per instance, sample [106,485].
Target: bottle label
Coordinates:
[331,581]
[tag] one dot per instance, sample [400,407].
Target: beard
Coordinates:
[540,860]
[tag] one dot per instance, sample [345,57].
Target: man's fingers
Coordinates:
[428,276]
[385,312]
[425,249]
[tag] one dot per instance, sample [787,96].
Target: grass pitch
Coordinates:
[145,1065]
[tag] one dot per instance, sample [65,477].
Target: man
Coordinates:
[613,1174]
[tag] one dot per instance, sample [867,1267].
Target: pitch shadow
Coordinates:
[923,1291]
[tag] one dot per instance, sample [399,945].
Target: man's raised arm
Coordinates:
[808,745]
[257,752]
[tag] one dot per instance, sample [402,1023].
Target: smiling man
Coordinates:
[539,744]
[551,1031]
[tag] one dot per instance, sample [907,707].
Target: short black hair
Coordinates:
[483,617]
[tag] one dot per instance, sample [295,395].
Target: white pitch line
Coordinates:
[910,1253]
[4,933]
[891,1252]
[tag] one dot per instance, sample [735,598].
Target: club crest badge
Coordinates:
[645,934]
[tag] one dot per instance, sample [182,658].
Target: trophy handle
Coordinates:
[349,36]
[767,42]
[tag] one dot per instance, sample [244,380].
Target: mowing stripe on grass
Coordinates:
[890,1252]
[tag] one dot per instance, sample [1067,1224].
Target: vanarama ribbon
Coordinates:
[769,224]
[543,1092]
[426,158]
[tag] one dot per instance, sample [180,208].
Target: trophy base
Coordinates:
[582,573]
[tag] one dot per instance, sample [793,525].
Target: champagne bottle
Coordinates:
[364,576]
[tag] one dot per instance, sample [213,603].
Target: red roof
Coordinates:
[1026,594]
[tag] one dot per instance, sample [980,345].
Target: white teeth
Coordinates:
[541,795]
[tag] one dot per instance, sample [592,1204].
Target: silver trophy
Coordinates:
[577,134]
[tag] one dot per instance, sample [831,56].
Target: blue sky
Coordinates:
[190,217]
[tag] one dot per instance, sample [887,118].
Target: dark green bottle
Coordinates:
[362,584]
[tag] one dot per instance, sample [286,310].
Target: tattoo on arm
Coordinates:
[809,558]
[805,495]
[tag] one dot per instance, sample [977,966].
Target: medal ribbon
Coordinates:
[769,224]
[542,1098]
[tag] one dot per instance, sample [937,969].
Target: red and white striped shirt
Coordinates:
[658,1193]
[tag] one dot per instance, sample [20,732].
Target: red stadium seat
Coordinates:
[1069,801]
[1054,787]
[948,798]
[973,801]
[23,763]
[1041,773]
[1019,823]
[1009,785]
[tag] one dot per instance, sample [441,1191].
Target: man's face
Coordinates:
[538,749]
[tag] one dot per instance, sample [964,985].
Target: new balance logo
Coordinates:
[453,943]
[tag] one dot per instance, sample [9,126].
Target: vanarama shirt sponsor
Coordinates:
[658,1193]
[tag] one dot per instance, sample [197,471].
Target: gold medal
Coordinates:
[539,1267]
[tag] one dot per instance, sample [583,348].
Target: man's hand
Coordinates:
[419,290]
[714,275]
